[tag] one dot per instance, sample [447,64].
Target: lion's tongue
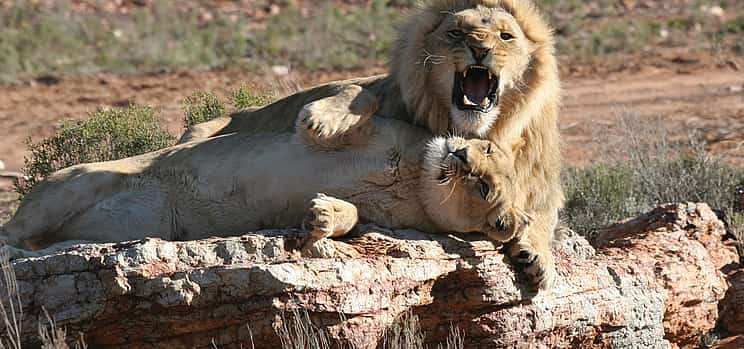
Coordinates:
[476,85]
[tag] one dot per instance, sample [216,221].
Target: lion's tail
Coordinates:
[60,197]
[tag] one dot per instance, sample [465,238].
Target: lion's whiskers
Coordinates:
[452,191]
[432,58]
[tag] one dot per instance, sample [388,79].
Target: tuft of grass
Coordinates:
[202,106]
[11,308]
[11,314]
[651,169]
[330,38]
[245,98]
[39,40]
[297,331]
[108,134]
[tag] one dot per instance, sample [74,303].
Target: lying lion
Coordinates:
[238,183]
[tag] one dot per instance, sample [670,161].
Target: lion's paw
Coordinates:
[328,217]
[322,122]
[320,217]
[537,267]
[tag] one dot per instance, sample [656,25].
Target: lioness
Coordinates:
[238,183]
[477,68]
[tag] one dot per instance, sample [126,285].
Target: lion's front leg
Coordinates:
[338,120]
[328,217]
[532,255]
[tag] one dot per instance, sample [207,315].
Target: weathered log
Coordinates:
[654,281]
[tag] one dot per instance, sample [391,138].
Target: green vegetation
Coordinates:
[201,107]
[38,40]
[650,169]
[107,134]
[111,134]
[245,98]
[331,38]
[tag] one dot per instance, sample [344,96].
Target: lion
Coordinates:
[236,183]
[477,68]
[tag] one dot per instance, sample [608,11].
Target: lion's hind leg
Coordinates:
[328,217]
[54,201]
[338,120]
[139,212]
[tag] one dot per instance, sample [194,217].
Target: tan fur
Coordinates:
[267,181]
[419,90]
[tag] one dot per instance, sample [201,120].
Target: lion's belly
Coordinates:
[271,182]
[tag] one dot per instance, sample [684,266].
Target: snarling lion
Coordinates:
[238,183]
[476,68]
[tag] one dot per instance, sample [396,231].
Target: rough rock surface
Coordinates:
[655,274]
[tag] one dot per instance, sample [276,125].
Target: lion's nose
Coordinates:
[479,52]
[461,154]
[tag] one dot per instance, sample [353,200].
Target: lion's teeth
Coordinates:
[465,73]
[485,101]
[466,100]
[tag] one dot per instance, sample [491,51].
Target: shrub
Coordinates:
[648,169]
[108,134]
[201,107]
[204,106]
[244,98]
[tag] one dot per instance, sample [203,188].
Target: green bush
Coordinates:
[244,98]
[108,134]
[202,106]
[649,169]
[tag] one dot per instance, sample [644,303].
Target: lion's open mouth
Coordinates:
[475,89]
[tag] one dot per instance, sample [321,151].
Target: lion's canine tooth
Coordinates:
[485,102]
[465,73]
[466,100]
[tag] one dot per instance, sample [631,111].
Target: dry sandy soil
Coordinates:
[702,97]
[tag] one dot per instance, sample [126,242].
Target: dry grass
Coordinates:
[11,314]
[11,308]
[647,168]
[297,331]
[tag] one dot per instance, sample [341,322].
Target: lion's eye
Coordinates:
[456,34]
[506,36]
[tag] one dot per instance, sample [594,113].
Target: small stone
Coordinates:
[732,89]
[716,11]
[280,69]
[2,165]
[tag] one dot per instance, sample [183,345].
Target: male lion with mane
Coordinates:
[476,68]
